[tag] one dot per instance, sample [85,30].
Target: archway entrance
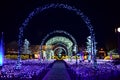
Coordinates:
[60,53]
[65,6]
[64,51]
[60,46]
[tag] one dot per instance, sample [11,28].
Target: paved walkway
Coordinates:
[57,72]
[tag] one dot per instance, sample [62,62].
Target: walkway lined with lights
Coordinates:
[57,72]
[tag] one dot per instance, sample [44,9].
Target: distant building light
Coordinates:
[118,29]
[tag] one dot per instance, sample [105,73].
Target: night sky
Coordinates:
[104,16]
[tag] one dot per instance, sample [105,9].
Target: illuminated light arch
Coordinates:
[61,45]
[58,41]
[64,6]
[61,48]
[74,44]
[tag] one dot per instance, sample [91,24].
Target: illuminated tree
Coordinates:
[26,47]
[89,47]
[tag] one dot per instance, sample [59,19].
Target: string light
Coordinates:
[54,32]
[40,9]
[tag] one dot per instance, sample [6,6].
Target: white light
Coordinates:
[118,29]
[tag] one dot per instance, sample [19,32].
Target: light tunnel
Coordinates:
[58,47]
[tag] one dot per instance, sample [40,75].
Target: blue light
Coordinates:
[1,52]
[1,58]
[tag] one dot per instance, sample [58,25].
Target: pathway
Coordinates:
[57,72]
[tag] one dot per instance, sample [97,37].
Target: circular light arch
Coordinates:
[58,41]
[52,5]
[75,47]
[61,48]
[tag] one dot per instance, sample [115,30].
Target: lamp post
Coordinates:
[118,30]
